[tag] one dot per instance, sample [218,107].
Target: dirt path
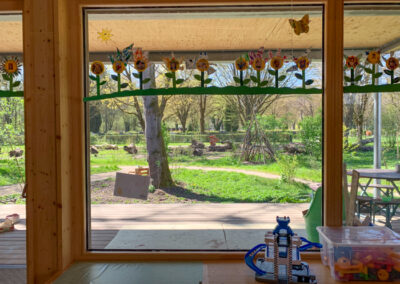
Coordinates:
[10,189]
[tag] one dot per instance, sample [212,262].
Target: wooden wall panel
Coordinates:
[333,109]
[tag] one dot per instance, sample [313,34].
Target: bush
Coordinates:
[311,134]
[287,167]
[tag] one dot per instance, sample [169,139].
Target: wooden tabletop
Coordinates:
[236,272]
[377,174]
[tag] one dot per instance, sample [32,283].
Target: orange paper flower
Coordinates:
[97,67]
[352,62]
[374,57]
[241,64]
[302,62]
[202,65]
[118,66]
[140,61]
[392,63]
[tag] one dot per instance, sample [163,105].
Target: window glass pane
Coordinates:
[371,120]
[12,142]
[229,163]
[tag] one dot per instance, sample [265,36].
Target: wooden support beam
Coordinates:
[333,109]
[48,149]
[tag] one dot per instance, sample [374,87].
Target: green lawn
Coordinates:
[217,186]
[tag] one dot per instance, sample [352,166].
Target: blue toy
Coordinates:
[282,263]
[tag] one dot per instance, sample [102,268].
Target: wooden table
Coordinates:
[370,174]
[388,207]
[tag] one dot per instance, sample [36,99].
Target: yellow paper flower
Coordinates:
[277,62]
[11,66]
[258,63]
[392,63]
[97,67]
[241,64]
[118,66]
[374,57]
[202,65]
[105,35]
[140,61]
[172,64]
[302,62]
[352,62]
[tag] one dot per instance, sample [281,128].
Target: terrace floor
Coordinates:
[210,226]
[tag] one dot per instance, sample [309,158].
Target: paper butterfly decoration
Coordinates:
[300,26]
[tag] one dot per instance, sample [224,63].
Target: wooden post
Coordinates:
[48,147]
[333,109]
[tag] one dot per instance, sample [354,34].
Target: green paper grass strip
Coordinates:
[8,94]
[372,89]
[230,90]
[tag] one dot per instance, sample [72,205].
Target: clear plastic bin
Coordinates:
[361,253]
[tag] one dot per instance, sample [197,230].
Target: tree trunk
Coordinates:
[202,106]
[156,152]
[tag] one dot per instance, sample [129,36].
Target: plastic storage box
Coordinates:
[361,253]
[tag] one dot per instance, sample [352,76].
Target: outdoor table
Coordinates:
[389,175]
[389,207]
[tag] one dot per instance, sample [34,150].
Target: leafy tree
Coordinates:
[231,119]
[311,134]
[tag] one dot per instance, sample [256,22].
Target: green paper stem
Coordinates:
[11,83]
[392,78]
[277,78]
[241,77]
[303,73]
[98,84]
[141,80]
[202,79]
[258,78]
[119,82]
[373,74]
[173,80]
[352,76]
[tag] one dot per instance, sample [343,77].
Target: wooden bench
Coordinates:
[142,171]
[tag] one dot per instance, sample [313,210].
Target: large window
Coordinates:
[371,119]
[224,162]
[12,143]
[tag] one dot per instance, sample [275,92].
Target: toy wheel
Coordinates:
[382,274]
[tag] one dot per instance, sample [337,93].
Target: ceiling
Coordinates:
[219,31]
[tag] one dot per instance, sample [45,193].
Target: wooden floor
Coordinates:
[108,219]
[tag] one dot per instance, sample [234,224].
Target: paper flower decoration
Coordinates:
[257,62]
[241,64]
[276,63]
[392,63]
[118,66]
[203,66]
[97,68]
[373,57]
[140,63]
[11,68]
[352,62]
[173,65]
[105,35]
[302,63]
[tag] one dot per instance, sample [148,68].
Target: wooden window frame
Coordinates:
[55,154]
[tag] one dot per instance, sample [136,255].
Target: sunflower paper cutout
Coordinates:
[140,63]
[257,62]
[373,58]
[352,63]
[173,65]
[241,65]
[97,68]
[105,35]
[11,68]
[119,62]
[302,63]
[392,63]
[203,66]
[276,63]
